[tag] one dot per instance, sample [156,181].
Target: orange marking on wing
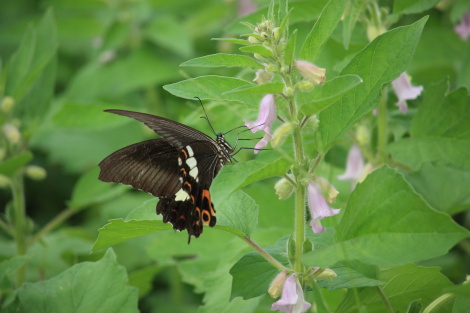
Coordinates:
[183,170]
[206,194]
[185,153]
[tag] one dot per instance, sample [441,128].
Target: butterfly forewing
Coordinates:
[178,168]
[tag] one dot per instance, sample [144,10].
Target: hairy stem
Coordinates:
[265,254]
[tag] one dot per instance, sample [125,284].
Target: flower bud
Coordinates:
[262,77]
[4,181]
[313,122]
[362,135]
[326,274]
[277,33]
[304,86]
[253,40]
[11,133]
[374,31]
[311,72]
[283,189]
[277,284]
[258,56]
[288,91]
[280,135]
[7,104]
[264,35]
[35,172]
[270,68]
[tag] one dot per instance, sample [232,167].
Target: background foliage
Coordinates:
[63,62]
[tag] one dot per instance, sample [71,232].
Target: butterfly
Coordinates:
[178,169]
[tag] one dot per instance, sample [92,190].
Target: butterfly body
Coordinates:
[177,168]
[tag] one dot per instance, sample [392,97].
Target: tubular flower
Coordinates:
[311,72]
[267,115]
[405,91]
[463,29]
[318,206]
[292,299]
[354,166]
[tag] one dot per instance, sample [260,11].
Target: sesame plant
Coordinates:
[349,193]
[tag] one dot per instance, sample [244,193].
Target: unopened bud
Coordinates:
[373,31]
[328,189]
[362,135]
[283,189]
[253,40]
[262,77]
[4,181]
[264,35]
[311,72]
[280,135]
[35,172]
[304,86]
[275,289]
[258,56]
[270,68]
[277,33]
[288,91]
[313,122]
[11,133]
[326,274]
[7,104]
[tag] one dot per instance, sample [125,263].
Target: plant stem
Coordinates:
[299,226]
[56,221]
[19,222]
[382,128]
[266,255]
[384,299]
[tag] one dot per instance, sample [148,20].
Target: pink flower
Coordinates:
[311,72]
[463,29]
[354,165]
[267,115]
[292,299]
[405,91]
[318,206]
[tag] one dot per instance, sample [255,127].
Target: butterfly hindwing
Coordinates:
[178,168]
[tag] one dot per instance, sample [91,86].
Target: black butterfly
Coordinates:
[177,168]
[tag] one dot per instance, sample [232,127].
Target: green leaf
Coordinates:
[259,49]
[352,274]
[289,51]
[100,287]
[274,88]
[117,230]
[234,177]
[224,60]
[212,88]
[252,274]
[322,29]
[13,164]
[387,223]
[90,190]
[383,60]
[440,132]
[412,6]
[452,196]
[322,96]
[403,285]
[240,212]
[143,278]
[8,270]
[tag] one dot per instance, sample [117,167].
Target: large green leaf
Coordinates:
[439,132]
[403,285]
[412,6]
[387,223]
[224,60]
[323,96]
[86,287]
[322,29]
[383,60]
[213,88]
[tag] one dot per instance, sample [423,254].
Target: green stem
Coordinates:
[382,128]
[19,222]
[384,299]
[434,306]
[56,221]
[299,227]
[266,255]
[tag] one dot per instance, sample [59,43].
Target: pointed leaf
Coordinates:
[274,88]
[10,166]
[259,49]
[224,60]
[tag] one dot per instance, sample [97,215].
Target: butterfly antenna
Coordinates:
[205,117]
